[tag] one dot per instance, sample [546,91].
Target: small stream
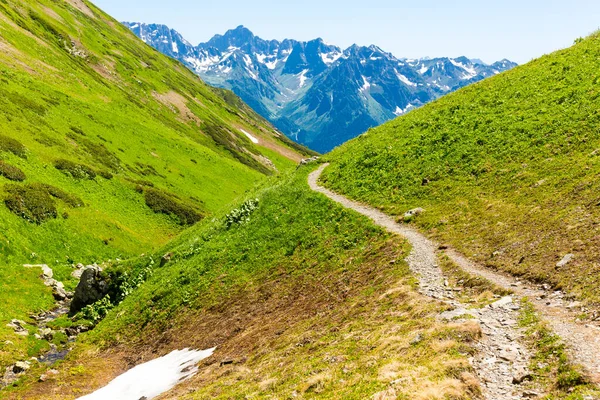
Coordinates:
[41,321]
[50,357]
[56,353]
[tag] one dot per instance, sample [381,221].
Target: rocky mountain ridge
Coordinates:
[316,93]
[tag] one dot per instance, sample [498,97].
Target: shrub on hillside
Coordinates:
[164,203]
[31,203]
[8,144]
[241,215]
[35,202]
[121,283]
[77,171]
[68,198]
[105,174]
[97,150]
[222,137]
[11,172]
[102,155]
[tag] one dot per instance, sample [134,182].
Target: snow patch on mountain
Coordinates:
[330,58]
[366,85]
[272,65]
[225,69]
[405,80]
[471,72]
[302,78]
[400,111]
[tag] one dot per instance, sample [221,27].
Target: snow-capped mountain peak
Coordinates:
[315,92]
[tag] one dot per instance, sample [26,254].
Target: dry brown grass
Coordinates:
[177,103]
[82,6]
[313,338]
[265,140]
[50,12]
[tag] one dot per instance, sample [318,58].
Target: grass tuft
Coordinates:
[550,362]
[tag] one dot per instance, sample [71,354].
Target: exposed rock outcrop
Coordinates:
[58,289]
[91,288]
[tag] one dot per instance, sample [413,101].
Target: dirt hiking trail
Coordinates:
[502,360]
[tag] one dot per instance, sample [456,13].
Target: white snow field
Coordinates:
[153,378]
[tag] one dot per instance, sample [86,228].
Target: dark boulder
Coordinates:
[92,287]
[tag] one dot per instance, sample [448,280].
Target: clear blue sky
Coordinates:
[491,30]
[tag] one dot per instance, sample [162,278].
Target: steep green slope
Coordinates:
[303,297]
[507,169]
[133,145]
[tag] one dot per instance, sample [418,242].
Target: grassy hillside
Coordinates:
[107,148]
[306,297]
[507,169]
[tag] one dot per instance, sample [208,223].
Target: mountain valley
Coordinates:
[162,239]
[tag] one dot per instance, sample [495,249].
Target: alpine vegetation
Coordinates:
[108,150]
[448,254]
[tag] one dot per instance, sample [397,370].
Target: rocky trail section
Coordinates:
[502,360]
[558,309]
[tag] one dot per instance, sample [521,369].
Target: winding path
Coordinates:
[502,358]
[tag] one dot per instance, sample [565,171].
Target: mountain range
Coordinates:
[316,93]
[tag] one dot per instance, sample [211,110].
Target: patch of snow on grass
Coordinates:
[153,378]
[252,138]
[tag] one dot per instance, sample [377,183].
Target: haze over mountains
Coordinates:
[316,93]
